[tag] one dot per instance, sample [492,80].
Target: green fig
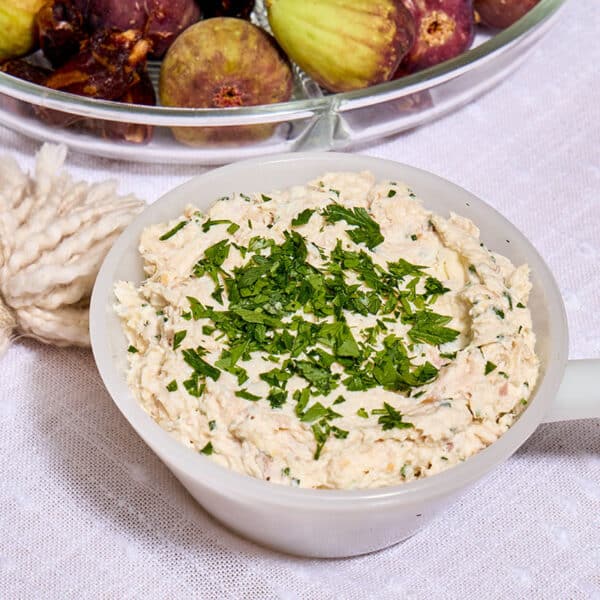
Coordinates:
[343,44]
[17,24]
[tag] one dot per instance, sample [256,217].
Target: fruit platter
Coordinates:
[213,81]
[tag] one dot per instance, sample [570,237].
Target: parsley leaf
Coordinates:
[401,268]
[208,449]
[246,395]
[428,328]
[193,386]
[303,218]
[172,232]
[367,230]
[390,418]
[178,338]
[210,223]
[172,386]
[321,432]
[192,357]
[489,367]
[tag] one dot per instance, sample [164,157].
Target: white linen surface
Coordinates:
[87,511]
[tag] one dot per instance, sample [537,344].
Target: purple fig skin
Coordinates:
[445,29]
[500,14]
[161,21]
[223,63]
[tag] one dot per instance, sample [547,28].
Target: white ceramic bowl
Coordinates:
[324,523]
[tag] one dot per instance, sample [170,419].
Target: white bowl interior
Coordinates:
[123,263]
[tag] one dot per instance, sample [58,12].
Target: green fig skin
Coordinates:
[17,24]
[222,63]
[343,44]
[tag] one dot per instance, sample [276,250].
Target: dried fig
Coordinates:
[445,29]
[227,8]
[221,63]
[106,67]
[60,30]
[160,20]
[502,13]
[343,44]
[134,133]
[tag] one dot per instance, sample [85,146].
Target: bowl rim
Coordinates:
[194,466]
[292,110]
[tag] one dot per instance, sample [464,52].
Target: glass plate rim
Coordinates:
[294,109]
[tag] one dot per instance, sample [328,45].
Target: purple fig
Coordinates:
[161,21]
[502,13]
[221,63]
[445,29]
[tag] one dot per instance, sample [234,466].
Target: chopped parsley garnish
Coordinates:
[429,328]
[340,434]
[489,367]
[208,449]
[246,395]
[201,367]
[266,198]
[172,387]
[172,232]
[212,425]
[499,312]
[413,237]
[132,350]
[508,299]
[210,223]
[520,305]
[277,398]
[294,314]
[390,418]
[402,268]
[434,286]
[391,193]
[367,231]
[302,218]
[178,338]
[321,432]
[194,385]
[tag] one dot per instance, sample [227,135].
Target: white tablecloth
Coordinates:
[87,511]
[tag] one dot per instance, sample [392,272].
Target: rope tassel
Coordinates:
[54,235]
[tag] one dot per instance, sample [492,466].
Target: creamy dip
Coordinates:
[333,335]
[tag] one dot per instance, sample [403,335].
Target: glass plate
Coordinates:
[313,120]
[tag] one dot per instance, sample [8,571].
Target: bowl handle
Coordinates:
[579,393]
